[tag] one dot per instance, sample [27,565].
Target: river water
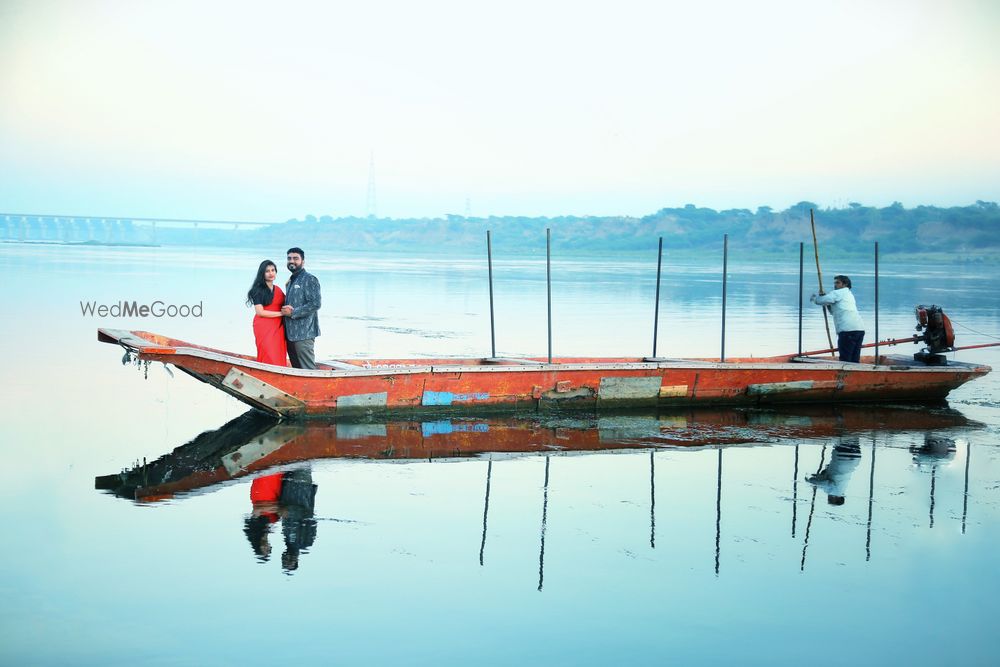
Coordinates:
[827,535]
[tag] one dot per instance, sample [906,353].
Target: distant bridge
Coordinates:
[103,228]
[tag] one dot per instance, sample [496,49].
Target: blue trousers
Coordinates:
[849,345]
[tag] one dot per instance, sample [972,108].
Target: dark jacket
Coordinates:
[302,294]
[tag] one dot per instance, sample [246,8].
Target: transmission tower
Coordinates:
[370,203]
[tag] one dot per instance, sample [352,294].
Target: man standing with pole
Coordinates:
[846,318]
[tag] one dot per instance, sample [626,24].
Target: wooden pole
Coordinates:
[801,273]
[489,261]
[819,276]
[548,285]
[656,310]
[725,270]
[876,303]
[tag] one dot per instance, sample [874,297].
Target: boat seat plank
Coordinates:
[341,365]
[669,360]
[512,360]
[816,360]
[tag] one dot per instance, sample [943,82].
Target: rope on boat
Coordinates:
[980,333]
[129,358]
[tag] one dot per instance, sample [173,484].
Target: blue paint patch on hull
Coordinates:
[449,398]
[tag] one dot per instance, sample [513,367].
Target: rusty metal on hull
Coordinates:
[457,386]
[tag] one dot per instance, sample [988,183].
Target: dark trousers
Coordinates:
[301,354]
[849,344]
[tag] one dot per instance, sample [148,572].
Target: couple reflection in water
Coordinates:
[288,497]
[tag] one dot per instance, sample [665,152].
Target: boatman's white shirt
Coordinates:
[845,311]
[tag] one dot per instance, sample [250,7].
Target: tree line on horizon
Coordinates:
[923,229]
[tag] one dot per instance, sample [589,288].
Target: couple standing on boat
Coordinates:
[285,326]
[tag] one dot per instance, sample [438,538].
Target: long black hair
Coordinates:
[258,290]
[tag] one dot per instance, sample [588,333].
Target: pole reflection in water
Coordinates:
[718,513]
[834,478]
[936,451]
[652,502]
[812,508]
[279,459]
[871,500]
[486,509]
[795,490]
[933,480]
[965,495]
[545,509]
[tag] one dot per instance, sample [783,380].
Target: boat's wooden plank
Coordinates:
[512,360]
[261,393]
[355,371]
[670,361]
[815,360]
[341,365]
[553,367]
[130,340]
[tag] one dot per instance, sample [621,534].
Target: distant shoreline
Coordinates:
[988,257]
[100,244]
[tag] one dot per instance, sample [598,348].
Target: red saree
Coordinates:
[269,332]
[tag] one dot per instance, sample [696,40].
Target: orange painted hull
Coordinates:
[350,387]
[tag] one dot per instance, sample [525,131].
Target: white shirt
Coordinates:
[835,476]
[845,311]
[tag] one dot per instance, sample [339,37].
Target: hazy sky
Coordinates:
[266,111]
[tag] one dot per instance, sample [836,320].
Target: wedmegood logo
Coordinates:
[135,309]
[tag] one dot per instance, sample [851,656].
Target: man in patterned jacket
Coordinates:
[302,300]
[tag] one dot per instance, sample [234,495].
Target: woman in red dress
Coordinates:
[268,324]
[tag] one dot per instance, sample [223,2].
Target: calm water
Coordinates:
[694,537]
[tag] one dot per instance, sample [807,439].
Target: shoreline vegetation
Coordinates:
[958,234]
[955,234]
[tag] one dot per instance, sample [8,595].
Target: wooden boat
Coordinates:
[349,387]
[254,444]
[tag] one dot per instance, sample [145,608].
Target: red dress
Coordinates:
[266,489]
[269,333]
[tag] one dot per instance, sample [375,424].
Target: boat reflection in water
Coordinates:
[276,456]
[253,442]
